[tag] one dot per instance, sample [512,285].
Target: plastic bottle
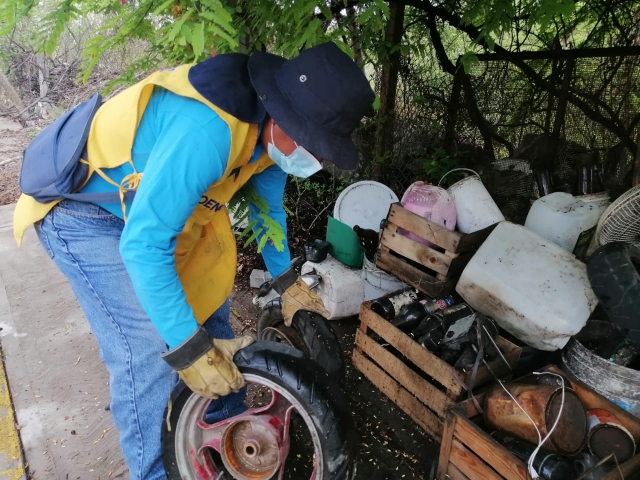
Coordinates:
[388,307]
[411,315]
[549,466]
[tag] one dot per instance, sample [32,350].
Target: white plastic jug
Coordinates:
[377,282]
[475,209]
[566,220]
[534,289]
[341,288]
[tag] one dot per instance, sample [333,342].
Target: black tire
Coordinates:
[309,332]
[614,273]
[309,384]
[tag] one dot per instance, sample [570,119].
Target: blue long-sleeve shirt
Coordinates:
[182,146]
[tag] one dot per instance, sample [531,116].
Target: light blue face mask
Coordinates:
[300,163]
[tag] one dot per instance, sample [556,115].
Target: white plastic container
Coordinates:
[377,282]
[475,209]
[341,288]
[568,221]
[534,289]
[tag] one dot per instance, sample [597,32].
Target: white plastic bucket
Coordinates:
[377,282]
[475,209]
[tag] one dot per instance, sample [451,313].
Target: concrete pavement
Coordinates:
[58,383]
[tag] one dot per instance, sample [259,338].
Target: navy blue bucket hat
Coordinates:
[318,99]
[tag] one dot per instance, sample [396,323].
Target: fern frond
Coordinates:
[269,230]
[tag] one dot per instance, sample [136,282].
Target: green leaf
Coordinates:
[221,33]
[255,234]
[326,11]
[312,28]
[344,47]
[161,7]
[198,39]
[185,31]
[384,8]
[223,18]
[218,20]
[376,103]
[178,26]
[468,60]
[366,15]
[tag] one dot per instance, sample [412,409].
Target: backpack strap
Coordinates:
[126,188]
[101,197]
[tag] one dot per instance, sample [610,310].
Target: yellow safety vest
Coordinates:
[205,253]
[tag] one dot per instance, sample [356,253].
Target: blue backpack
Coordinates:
[50,164]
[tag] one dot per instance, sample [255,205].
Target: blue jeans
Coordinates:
[83,241]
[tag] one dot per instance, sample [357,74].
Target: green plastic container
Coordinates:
[345,246]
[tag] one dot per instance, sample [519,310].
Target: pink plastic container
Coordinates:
[430,202]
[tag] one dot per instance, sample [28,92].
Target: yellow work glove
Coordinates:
[296,295]
[206,365]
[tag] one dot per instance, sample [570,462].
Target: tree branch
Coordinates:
[614,124]
[487,132]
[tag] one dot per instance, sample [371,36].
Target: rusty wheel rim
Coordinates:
[282,334]
[251,449]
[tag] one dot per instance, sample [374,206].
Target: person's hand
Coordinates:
[206,365]
[296,295]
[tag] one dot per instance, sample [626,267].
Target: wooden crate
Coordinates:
[432,270]
[425,400]
[468,452]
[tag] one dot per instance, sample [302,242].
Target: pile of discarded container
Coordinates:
[458,308]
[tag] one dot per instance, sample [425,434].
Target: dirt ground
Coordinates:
[391,445]
[13,140]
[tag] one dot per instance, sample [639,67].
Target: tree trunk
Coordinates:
[12,94]
[355,45]
[388,88]
[43,83]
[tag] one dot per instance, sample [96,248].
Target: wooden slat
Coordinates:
[424,228]
[415,251]
[470,465]
[446,442]
[453,473]
[414,383]
[472,241]
[458,264]
[422,281]
[432,365]
[486,447]
[511,353]
[468,409]
[409,404]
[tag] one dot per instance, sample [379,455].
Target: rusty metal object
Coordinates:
[549,379]
[250,449]
[542,404]
[607,435]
